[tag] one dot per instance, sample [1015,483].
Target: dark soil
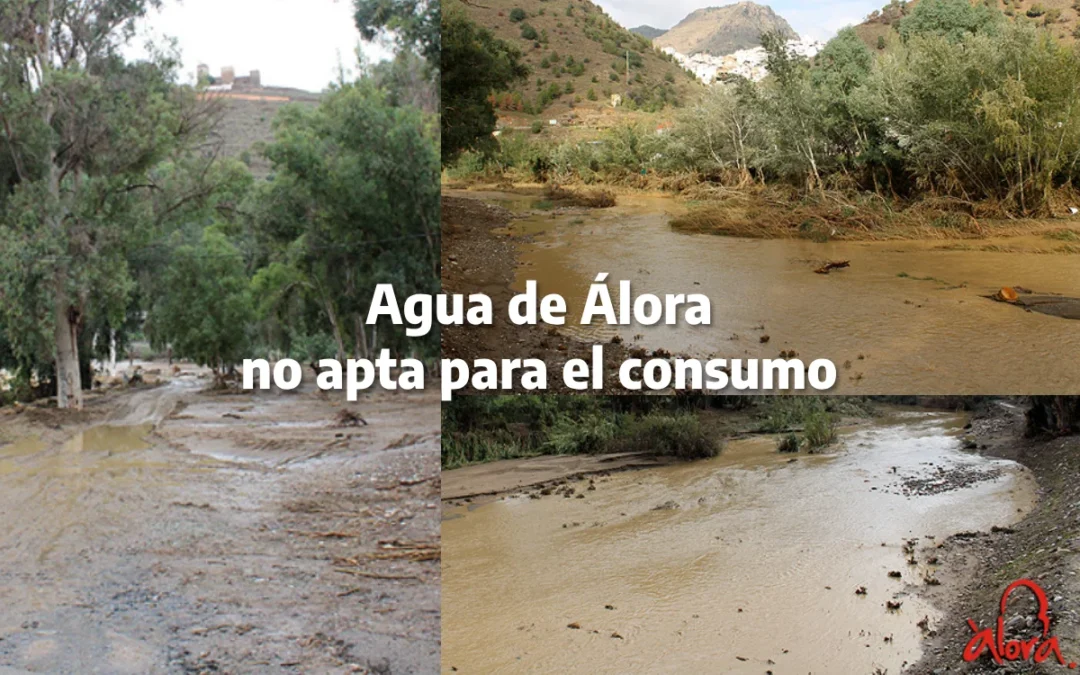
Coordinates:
[479,255]
[1044,547]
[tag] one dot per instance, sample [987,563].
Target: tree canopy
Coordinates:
[474,64]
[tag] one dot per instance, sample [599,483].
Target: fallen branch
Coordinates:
[832,265]
[377,575]
[326,535]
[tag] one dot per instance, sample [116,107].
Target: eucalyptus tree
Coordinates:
[82,130]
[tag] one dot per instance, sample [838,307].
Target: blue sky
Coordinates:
[817,18]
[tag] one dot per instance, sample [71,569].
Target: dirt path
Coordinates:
[220,533]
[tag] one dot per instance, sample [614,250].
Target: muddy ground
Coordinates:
[1044,547]
[480,256]
[231,533]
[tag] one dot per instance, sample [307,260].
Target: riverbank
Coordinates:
[727,563]
[1044,547]
[174,529]
[757,212]
[479,255]
[894,319]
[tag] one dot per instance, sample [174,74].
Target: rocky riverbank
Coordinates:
[1044,547]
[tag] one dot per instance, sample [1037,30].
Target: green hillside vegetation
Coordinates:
[1061,18]
[578,57]
[968,113]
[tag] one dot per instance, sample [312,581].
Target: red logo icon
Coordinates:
[1037,649]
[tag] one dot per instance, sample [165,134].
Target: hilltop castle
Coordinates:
[228,81]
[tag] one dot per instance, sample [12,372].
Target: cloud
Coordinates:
[293,43]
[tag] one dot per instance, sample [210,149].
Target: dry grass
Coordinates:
[771,213]
[592,199]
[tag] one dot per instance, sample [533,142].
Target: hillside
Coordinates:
[1061,17]
[722,30]
[247,113]
[578,60]
[648,32]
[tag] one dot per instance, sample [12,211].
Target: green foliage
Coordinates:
[354,202]
[411,24]
[819,431]
[680,435]
[788,443]
[474,64]
[537,126]
[953,19]
[83,131]
[984,113]
[528,32]
[486,428]
[517,15]
[205,309]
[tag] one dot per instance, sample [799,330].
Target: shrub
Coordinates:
[788,443]
[517,15]
[589,435]
[819,430]
[537,126]
[679,436]
[528,32]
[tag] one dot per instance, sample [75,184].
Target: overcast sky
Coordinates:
[819,19]
[293,43]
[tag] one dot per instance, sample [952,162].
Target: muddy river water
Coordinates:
[743,564]
[904,314]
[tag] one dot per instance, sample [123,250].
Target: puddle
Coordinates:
[910,310]
[754,569]
[100,463]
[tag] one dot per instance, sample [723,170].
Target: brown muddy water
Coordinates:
[905,318]
[750,563]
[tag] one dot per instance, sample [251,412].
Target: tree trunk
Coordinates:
[69,392]
[360,337]
[331,313]
[112,352]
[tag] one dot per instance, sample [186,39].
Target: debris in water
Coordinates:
[347,418]
[1007,294]
[832,265]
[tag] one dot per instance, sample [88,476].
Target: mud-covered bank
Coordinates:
[173,530]
[1043,547]
[479,255]
[892,321]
